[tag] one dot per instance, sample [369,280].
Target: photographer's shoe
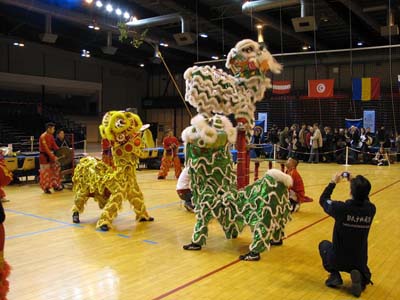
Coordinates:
[356,287]
[334,280]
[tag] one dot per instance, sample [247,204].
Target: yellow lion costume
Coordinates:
[110,185]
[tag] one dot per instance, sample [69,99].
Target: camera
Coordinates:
[346,175]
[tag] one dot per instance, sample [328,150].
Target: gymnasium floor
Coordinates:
[55,259]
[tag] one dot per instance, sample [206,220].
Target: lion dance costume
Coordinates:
[110,185]
[4,266]
[5,176]
[264,205]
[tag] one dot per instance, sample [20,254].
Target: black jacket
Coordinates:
[350,234]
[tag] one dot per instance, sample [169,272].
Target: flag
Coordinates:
[281,87]
[366,88]
[321,88]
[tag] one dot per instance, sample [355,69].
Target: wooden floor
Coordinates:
[55,259]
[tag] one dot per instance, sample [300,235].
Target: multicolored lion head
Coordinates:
[248,58]
[119,127]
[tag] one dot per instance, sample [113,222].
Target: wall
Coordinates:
[122,86]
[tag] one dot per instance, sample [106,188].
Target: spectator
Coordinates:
[60,139]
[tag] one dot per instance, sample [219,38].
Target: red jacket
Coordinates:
[47,145]
[298,185]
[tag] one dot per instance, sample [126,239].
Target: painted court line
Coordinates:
[181,287]
[37,232]
[36,216]
[150,242]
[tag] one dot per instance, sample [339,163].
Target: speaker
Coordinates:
[304,24]
[109,50]
[185,38]
[48,38]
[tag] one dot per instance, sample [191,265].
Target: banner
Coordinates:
[353,122]
[398,81]
[366,89]
[321,88]
[263,117]
[281,87]
[369,120]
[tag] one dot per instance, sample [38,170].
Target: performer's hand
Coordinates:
[336,177]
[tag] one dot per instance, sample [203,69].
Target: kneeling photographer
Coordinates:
[348,252]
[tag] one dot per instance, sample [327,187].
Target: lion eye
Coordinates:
[119,123]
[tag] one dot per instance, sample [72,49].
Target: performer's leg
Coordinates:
[110,211]
[177,166]
[79,205]
[2,193]
[45,177]
[200,232]
[135,198]
[165,165]
[101,200]
[56,176]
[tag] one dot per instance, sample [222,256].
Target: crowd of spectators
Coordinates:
[313,144]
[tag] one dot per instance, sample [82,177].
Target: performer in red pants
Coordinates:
[4,266]
[170,144]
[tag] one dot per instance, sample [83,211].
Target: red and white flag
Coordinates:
[321,88]
[281,87]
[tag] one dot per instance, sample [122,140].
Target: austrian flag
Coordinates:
[320,88]
[281,87]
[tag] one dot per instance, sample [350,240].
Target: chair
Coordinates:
[11,163]
[28,168]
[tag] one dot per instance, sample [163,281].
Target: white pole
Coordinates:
[274,151]
[347,156]
[32,138]
[84,146]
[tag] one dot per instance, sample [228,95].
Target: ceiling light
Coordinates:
[19,44]
[99,4]
[133,19]
[109,8]
[96,28]
[360,43]
[16,44]
[126,15]
[89,1]
[305,47]
[85,53]
[118,12]
[90,26]
[141,65]
[163,44]
[214,57]
[203,35]
[259,26]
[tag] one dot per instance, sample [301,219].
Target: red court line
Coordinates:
[196,280]
[238,260]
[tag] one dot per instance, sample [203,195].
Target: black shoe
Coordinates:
[356,287]
[60,188]
[160,177]
[75,218]
[251,256]
[47,191]
[192,246]
[143,219]
[189,207]
[334,280]
[276,243]
[104,227]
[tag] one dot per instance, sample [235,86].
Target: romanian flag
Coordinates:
[366,89]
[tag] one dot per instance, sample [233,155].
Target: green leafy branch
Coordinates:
[137,37]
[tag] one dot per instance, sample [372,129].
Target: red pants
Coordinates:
[50,176]
[166,162]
